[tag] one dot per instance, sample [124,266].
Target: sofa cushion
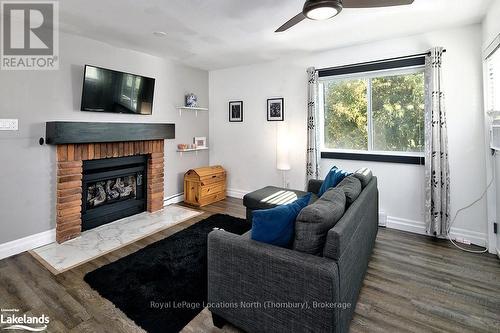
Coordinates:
[275,226]
[313,199]
[365,175]
[352,188]
[334,177]
[315,220]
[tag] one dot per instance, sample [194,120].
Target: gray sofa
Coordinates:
[263,288]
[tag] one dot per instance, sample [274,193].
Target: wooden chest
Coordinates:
[203,186]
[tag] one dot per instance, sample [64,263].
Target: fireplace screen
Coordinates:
[111,190]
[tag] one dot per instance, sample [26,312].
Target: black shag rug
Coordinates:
[150,285]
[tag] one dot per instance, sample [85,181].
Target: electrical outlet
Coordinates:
[462,240]
[9,124]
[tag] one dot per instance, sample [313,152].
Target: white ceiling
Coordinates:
[213,34]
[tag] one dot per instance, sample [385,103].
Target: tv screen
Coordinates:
[105,90]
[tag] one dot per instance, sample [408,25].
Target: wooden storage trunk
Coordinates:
[203,186]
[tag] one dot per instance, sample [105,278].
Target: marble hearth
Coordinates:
[109,237]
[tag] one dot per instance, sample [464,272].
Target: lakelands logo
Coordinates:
[29,35]
[11,320]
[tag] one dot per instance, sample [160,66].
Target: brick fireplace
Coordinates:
[70,158]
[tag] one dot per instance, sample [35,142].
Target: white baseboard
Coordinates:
[382,219]
[27,243]
[173,199]
[418,227]
[234,193]
[474,237]
[498,253]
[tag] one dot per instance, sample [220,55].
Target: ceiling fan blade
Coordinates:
[374,3]
[293,21]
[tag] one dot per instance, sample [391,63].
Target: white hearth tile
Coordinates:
[109,237]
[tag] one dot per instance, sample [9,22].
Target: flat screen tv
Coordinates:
[106,90]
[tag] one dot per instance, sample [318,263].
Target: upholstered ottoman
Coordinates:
[269,197]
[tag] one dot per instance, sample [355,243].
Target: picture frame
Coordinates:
[276,109]
[200,141]
[236,111]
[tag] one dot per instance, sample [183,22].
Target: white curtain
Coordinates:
[313,153]
[437,174]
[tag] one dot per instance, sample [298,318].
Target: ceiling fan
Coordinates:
[326,9]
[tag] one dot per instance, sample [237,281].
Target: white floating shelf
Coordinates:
[191,108]
[193,149]
[190,150]
[188,108]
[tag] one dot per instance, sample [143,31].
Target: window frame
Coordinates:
[370,154]
[492,58]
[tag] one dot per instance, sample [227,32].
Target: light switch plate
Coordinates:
[9,124]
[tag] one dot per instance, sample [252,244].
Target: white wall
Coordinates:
[27,170]
[247,150]
[491,23]
[491,29]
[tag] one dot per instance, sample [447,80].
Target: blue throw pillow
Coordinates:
[334,177]
[276,226]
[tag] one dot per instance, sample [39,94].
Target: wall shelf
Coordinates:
[191,150]
[188,108]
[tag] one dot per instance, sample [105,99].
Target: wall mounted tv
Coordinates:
[106,90]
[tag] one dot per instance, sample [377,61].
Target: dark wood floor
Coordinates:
[413,284]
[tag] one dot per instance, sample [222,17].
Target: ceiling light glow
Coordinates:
[322,13]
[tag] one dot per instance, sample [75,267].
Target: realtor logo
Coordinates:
[12,320]
[29,35]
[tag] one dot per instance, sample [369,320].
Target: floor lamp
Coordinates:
[282,152]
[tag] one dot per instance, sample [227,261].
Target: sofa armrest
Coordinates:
[263,288]
[314,185]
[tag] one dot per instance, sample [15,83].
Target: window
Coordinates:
[493,81]
[376,112]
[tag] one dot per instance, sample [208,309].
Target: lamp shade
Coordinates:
[283,148]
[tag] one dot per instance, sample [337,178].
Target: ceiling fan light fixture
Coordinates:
[322,9]
[159,33]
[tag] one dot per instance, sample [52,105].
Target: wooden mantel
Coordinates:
[66,132]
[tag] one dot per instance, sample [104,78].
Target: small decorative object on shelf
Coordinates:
[200,141]
[236,111]
[188,147]
[191,100]
[185,146]
[203,186]
[276,109]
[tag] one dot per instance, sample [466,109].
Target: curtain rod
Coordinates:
[379,61]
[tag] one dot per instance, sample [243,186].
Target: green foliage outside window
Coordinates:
[397,113]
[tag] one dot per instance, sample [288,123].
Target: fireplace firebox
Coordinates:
[112,189]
